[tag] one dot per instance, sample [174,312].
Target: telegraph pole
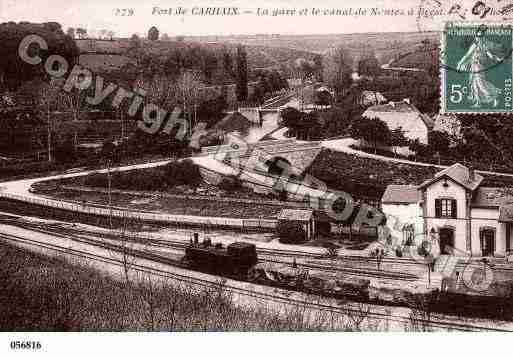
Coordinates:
[49,133]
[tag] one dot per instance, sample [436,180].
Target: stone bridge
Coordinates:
[267,156]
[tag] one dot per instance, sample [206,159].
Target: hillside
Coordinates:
[421,58]
[259,56]
[272,51]
[386,45]
[51,294]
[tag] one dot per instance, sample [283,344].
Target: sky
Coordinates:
[101,14]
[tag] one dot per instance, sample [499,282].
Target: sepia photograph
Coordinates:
[254,167]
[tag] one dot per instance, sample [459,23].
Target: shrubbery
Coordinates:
[173,174]
[366,179]
[290,232]
[184,172]
[230,184]
[49,294]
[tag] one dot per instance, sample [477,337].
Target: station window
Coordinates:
[445,208]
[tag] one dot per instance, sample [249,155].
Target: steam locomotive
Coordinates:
[234,260]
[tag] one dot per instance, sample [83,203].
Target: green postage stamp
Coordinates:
[476,68]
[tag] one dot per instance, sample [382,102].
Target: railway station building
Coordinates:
[453,207]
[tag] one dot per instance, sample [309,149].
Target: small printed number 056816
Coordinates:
[25,345]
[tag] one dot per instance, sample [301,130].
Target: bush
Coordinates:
[290,232]
[422,250]
[230,184]
[323,228]
[174,174]
[184,172]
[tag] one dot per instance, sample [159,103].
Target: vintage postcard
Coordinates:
[265,166]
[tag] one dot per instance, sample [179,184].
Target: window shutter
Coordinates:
[438,208]
[454,209]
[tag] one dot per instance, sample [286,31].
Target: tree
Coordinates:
[305,69]
[74,102]
[230,184]
[337,121]
[310,126]
[184,172]
[188,86]
[81,33]
[102,33]
[242,74]
[14,71]
[71,32]
[291,118]
[372,130]
[368,65]
[64,151]
[212,110]
[135,41]
[47,104]
[323,98]
[439,142]
[153,34]
[258,95]
[338,71]
[227,64]
[397,138]
[318,66]
[165,37]
[290,232]
[417,147]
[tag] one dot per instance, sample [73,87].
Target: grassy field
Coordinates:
[182,206]
[49,294]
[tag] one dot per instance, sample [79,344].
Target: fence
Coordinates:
[114,212]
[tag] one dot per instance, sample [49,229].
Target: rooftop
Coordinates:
[458,173]
[234,122]
[400,106]
[492,197]
[401,194]
[290,214]
[405,108]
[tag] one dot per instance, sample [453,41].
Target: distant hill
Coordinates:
[259,56]
[386,46]
[421,58]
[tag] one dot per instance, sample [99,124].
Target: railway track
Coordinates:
[190,279]
[266,255]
